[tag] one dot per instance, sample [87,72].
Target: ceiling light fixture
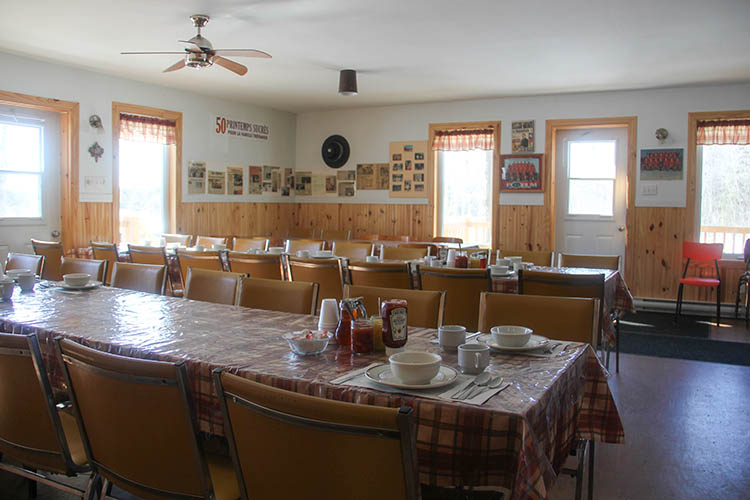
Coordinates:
[348,82]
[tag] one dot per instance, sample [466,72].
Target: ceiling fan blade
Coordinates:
[191,43]
[150,53]
[230,65]
[243,53]
[178,65]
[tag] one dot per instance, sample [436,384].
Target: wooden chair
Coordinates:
[431,249]
[744,279]
[536,258]
[307,233]
[463,287]
[208,285]
[272,431]
[701,252]
[389,275]
[107,252]
[96,268]
[180,239]
[611,262]
[294,246]
[33,263]
[256,265]
[146,278]
[324,272]
[402,253]
[273,295]
[198,259]
[575,319]
[335,234]
[245,244]
[53,254]
[210,241]
[426,307]
[354,251]
[33,431]
[139,426]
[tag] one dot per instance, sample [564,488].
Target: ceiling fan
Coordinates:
[199,52]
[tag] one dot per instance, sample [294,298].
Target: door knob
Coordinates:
[55,234]
[621,228]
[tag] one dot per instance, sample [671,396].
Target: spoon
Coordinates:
[480,379]
[492,384]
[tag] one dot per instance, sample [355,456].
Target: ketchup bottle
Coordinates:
[395,331]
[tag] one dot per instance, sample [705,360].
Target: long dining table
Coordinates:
[517,440]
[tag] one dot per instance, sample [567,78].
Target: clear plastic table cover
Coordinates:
[517,440]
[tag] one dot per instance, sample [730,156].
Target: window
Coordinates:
[592,170]
[21,170]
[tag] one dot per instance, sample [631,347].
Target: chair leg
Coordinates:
[747,305]
[606,362]
[591,470]
[579,470]
[617,344]
[737,300]
[718,305]
[679,302]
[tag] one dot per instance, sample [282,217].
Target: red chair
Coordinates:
[701,252]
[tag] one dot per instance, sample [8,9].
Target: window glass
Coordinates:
[591,197]
[142,170]
[21,170]
[592,160]
[592,170]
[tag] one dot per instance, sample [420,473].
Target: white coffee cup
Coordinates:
[6,287]
[329,314]
[303,254]
[450,260]
[501,270]
[502,261]
[371,258]
[26,281]
[451,336]
[473,358]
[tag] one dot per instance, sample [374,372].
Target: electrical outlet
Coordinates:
[648,189]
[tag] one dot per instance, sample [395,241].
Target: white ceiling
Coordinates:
[405,50]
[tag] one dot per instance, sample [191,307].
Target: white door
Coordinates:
[591,192]
[29,177]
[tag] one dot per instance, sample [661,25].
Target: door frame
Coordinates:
[174,195]
[69,130]
[628,122]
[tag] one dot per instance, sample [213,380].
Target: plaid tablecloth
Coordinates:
[517,440]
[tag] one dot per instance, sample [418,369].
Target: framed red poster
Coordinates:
[521,173]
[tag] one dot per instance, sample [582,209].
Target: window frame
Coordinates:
[568,178]
[41,219]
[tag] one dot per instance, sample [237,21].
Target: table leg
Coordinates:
[591,470]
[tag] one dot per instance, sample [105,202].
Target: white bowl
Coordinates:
[415,367]
[303,346]
[511,336]
[13,273]
[76,279]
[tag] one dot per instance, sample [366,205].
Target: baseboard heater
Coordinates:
[692,308]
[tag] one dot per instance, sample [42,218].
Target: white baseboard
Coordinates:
[688,307]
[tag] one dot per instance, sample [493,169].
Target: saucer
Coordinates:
[535,342]
[382,374]
[88,286]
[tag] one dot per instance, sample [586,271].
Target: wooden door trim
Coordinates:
[434,199]
[69,132]
[175,176]
[631,124]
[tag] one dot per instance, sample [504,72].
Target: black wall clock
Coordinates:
[335,151]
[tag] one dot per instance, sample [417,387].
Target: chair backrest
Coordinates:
[256,265]
[294,246]
[324,272]
[197,259]
[463,287]
[575,319]
[536,258]
[96,268]
[747,254]
[335,234]
[53,254]
[272,431]
[355,251]
[34,263]
[181,239]
[147,255]
[137,422]
[611,262]
[210,241]
[403,253]
[389,275]
[296,297]
[212,286]
[108,252]
[302,233]
[149,278]
[245,244]
[30,428]
[702,251]
[426,308]
[431,249]
[447,239]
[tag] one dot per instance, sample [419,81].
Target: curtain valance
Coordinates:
[147,129]
[464,140]
[724,132]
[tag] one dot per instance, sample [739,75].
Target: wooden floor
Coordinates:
[685,435]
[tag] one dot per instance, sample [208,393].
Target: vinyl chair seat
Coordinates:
[223,477]
[695,281]
[73,437]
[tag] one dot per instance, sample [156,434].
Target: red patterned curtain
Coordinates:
[724,132]
[147,129]
[464,140]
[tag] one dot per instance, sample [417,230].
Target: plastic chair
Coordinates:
[53,254]
[702,252]
[208,285]
[295,297]
[744,280]
[198,259]
[324,272]
[34,263]
[382,274]
[148,278]
[108,252]
[266,266]
[96,268]
[463,287]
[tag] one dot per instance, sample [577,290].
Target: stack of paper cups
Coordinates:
[450,261]
[329,315]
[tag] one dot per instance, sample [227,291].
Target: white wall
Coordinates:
[95,92]
[369,130]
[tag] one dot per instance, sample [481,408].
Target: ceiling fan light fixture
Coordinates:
[348,82]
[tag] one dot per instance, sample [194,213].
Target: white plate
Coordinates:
[88,286]
[506,275]
[382,374]
[535,342]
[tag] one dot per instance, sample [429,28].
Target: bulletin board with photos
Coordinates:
[409,172]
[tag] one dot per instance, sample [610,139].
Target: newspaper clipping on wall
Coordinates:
[236,180]
[522,140]
[216,182]
[196,177]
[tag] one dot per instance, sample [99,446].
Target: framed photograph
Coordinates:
[522,137]
[661,164]
[521,173]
